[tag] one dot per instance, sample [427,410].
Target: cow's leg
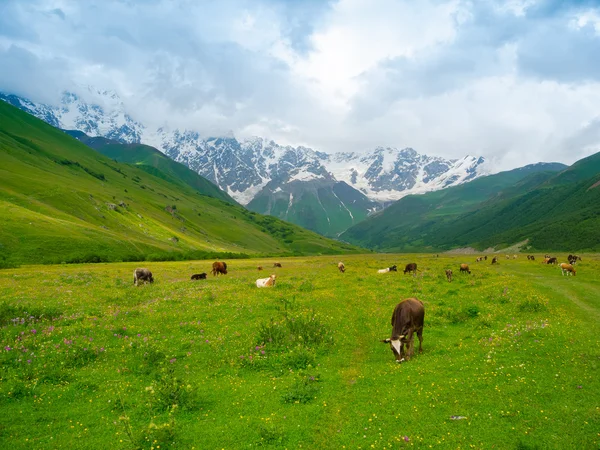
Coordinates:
[410,345]
[420,336]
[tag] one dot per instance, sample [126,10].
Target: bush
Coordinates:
[303,391]
[533,305]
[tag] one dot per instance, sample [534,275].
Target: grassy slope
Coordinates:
[327,208]
[511,348]
[415,221]
[154,162]
[54,206]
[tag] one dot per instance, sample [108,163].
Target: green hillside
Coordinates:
[553,211]
[149,159]
[326,207]
[61,201]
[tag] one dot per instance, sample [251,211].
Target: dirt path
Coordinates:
[583,294]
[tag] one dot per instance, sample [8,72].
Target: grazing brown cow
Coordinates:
[219,267]
[485,257]
[199,276]
[277,265]
[411,267]
[449,275]
[259,268]
[465,268]
[568,269]
[495,260]
[573,259]
[342,267]
[552,260]
[408,318]
[142,275]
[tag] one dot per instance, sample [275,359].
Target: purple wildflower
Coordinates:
[406,439]
[28,361]
[7,348]
[173,360]
[34,331]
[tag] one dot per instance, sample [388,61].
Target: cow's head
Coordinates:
[396,346]
[393,269]
[151,279]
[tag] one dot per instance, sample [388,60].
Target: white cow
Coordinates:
[266,282]
[388,269]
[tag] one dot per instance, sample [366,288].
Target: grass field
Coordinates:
[510,361]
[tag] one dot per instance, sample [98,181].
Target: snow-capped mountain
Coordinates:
[259,172]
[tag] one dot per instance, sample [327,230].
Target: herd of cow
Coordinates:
[408,316]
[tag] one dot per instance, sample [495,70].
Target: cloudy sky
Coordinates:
[517,81]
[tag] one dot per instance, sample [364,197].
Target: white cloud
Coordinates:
[517,81]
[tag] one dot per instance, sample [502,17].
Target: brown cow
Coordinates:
[449,275]
[465,268]
[411,267]
[573,259]
[342,267]
[408,318]
[199,276]
[568,269]
[485,257]
[277,264]
[552,260]
[219,267]
[495,260]
[142,275]
[259,268]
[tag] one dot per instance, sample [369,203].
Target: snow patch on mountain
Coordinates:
[245,168]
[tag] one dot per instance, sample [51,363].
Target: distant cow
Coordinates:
[266,282]
[410,267]
[573,259]
[341,267]
[479,259]
[507,256]
[465,268]
[552,260]
[568,269]
[449,275]
[485,257]
[277,264]
[389,269]
[219,268]
[259,268]
[514,256]
[408,318]
[531,257]
[199,276]
[142,275]
[495,260]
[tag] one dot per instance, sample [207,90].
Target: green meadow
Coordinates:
[510,361]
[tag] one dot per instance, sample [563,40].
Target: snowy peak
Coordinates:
[244,168]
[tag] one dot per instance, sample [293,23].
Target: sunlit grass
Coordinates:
[88,360]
